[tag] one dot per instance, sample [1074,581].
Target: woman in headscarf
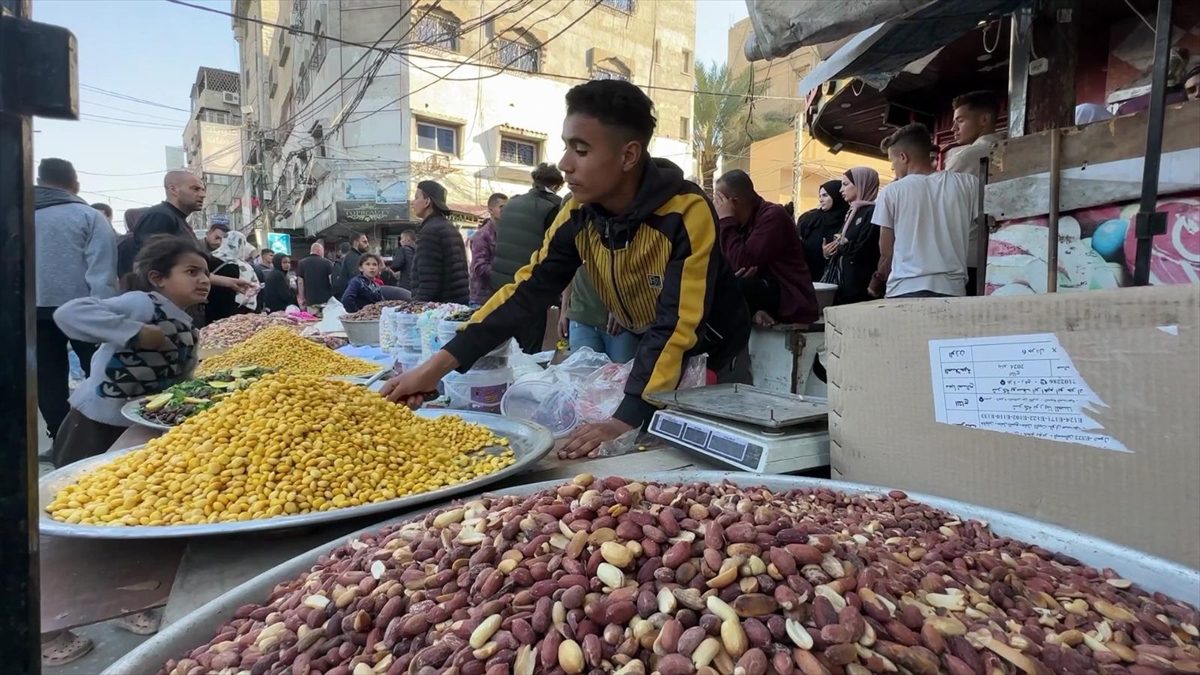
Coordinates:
[820,225]
[227,261]
[854,254]
[278,292]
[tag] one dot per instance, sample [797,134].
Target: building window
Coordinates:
[607,74]
[518,151]
[302,85]
[438,30]
[318,50]
[437,138]
[318,135]
[687,62]
[619,5]
[518,55]
[220,117]
[685,128]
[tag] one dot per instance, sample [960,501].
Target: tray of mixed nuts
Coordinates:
[181,401]
[698,572]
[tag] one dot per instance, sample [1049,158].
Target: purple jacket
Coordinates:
[483,250]
[769,242]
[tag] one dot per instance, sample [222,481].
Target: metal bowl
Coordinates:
[362,332]
[1148,571]
[529,442]
[132,411]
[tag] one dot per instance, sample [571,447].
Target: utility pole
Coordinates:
[37,77]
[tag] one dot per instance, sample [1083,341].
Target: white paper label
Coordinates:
[1016,384]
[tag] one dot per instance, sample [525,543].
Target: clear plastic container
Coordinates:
[405,361]
[547,403]
[407,334]
[480,390]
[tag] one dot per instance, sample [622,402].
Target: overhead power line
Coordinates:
[127,97]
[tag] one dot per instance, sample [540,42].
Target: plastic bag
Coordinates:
[387,328]
[331,318]
[621,445]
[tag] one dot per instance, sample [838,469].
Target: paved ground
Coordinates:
[111,642]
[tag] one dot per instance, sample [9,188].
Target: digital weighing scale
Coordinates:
[747,428]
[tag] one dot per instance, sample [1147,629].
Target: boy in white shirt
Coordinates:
[924,218]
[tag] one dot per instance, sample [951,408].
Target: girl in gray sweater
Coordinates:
[147,343]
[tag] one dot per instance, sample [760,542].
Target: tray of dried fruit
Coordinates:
[528,442]
[698,572]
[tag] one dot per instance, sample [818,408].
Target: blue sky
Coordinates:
[150,49]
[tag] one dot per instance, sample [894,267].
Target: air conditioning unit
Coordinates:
[232,97]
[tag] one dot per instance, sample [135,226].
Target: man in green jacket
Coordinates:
[520,233]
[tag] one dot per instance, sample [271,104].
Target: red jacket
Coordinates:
[770,243]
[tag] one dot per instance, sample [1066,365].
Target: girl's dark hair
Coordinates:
[160,254]
[368,256]
[277,261]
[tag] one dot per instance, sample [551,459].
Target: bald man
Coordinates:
[315,278]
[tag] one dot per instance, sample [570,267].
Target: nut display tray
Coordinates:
[1152,573]
[529,442]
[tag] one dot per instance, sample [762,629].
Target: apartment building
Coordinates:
[212,142]
[789,166]
[466,92]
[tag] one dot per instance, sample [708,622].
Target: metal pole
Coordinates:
[1149,222]
[984,228]
[37,77]
[1052,224]
[1018,70]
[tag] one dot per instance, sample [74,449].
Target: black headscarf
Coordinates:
[815,227]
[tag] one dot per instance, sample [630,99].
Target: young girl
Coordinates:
[364,289]
[147,343]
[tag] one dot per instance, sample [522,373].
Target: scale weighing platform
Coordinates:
[747,428]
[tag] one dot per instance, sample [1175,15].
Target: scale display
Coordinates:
[711,442]
[743,446]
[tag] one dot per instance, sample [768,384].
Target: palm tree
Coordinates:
[720,113]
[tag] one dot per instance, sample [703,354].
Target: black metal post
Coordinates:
[1149,222]
[37,76]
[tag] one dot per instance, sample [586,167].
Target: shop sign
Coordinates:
[280,242]
[363,211]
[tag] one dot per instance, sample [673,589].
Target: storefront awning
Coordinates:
[876,54]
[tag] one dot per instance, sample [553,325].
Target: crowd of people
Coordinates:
[646,266]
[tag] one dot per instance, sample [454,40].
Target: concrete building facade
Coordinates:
[212,142]
[466,92]
[791,166]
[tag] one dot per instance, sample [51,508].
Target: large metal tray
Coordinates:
[744,403]
[1150,572]
[529,442]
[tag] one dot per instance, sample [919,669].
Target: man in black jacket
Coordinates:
[441,273]
[519,234]
[403,259]
[648,239]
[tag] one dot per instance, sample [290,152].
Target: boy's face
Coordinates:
[596,158]
[899,161]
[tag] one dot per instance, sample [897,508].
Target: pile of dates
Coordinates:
[612,575]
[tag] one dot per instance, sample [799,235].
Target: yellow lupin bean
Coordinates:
[287,444]
[286,352]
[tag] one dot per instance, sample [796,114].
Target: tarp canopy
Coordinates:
[783,26]
[881,50]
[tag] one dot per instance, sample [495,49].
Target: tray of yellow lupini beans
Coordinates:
[287,451]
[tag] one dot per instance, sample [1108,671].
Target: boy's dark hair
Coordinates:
[344,247]
[616,104]
[546,175]
[495,199]
[913,139]
[57,172]
[218,226]
[266,251]
[103,208]
[160,254]
[738,182]
[979,101]
[369,256]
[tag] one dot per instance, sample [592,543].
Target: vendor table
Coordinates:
[122,577]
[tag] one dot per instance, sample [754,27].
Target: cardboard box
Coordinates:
[1136,481]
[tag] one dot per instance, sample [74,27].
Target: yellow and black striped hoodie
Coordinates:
[659,271]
